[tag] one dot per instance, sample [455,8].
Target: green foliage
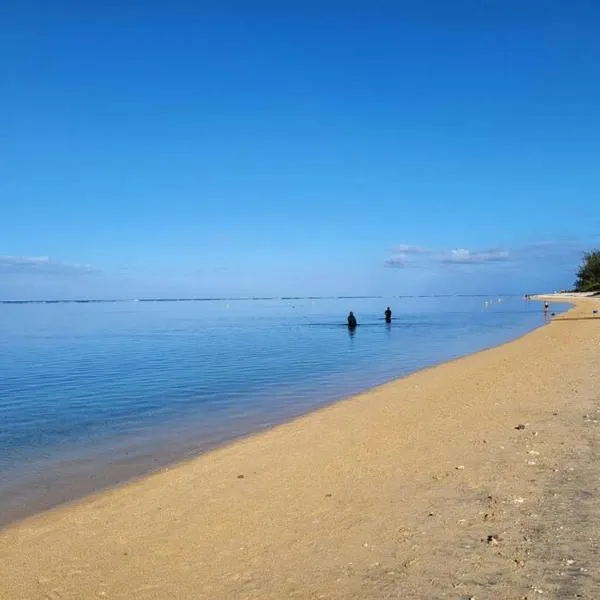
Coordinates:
[588,274]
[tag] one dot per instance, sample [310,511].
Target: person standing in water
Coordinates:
[546,308]
[351,320]
[388,315]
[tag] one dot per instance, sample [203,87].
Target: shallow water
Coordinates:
[92,393]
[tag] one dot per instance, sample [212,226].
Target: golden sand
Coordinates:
[477,478]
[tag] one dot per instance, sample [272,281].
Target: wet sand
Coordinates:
[478,478]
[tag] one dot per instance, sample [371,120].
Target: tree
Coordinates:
[588,274]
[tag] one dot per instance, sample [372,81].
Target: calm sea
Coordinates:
[93,393]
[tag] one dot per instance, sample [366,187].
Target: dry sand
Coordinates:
[426,487]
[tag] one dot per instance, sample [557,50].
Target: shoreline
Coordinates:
[324,495]
[49,484]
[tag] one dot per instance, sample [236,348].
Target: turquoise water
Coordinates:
[91,393]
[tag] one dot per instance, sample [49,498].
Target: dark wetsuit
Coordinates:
[388,316]
[351,321]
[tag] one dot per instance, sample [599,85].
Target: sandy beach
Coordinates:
[478,478]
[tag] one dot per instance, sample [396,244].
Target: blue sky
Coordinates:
[268,148]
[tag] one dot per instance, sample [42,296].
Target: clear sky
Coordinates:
[189,148]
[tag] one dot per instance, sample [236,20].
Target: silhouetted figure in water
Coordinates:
[388,315]
[351,321]
[546,308]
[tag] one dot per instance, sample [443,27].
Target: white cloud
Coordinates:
[475,257]
[43,265]
[410,249]
[407,255]
[397,261]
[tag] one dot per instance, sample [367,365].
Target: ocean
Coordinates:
[92,393]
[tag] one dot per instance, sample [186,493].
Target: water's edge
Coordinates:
[58,489]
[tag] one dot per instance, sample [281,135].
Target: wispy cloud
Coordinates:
[404,255]
[396,261]
[567,250]
[402,249]
[556,249]
[475,257]
[407,255]
[542,244]
[42,265]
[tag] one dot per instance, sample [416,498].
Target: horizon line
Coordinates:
[246,298]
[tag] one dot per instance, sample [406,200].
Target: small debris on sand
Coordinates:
[537,590]
[520,426]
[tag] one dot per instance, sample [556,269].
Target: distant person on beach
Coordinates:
[388,315]
[351,320]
